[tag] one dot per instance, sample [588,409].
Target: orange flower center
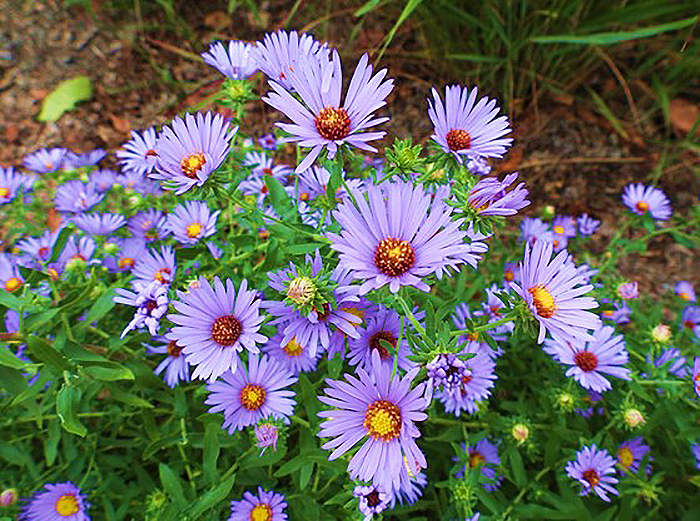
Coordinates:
[174,349]
[162,275]
[458,139]
[293,348]
[67,505]
[193,230]
[476,459]
[253,397]
[192,164]
[586,360]
[559,230]
[394,257]
[261,512]
[591,476]
[4,192]
[126,262]
[226,330]
[642,206]
[543,300]
[333,123]
[13,284]
[383,420]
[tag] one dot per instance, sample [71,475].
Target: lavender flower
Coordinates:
[149,225]
[489,196]
[191,221]
[483,458]
[237,63]
[620,314]
[10,277]
[76,196]
[475,386]
[696,375]
[139,153]
[628,290]
[642,199]
[127,253]
[11,184]
[268,142]
[587,225]
[151,303]
[373,500]
[102,180]
[684,290]
[174,366]
[631,453]
[57,501]
[266,506]
[532,228]
[594,469]
[99,224]
[39,248]
[45,160]
[564,225]
[294,356]
[77,160]
[266,435]
[155,266]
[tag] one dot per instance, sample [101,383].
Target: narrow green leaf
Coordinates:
[211,452]
[12,380]
[10,301]
[516,464]
[305,474]
[67,401]
[64,97]
[109,372]
[60,243]
[8,359]
[43,352]
[367,7]
[35,321]
[171,485]
[128,398]
[278,197]
[51,442]
[101,307]
[212,498]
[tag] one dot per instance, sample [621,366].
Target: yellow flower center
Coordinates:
[193,230]
[13,284]
[625,457]
[476,459]
[684,295]
[192,164]
[543,300]
[394,257]
[383,420]
[162,276]
[4,192]
[126,262]
[642,206]
[508,275]
[253,397]
[293,348]
[261,512]
[333,123]
[559,230]
[67,505]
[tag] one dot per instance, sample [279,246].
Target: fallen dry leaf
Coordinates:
[120,124]
[217,20]
[683,114]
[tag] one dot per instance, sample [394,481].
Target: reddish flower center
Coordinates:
[151,152]
[162,275]
[267,171]
[126,262]
[586,360]
[44,252]
[642,206]
[383,420]
[375,344]
[508,275]
[150,305]
[458,139]
[372,498]
[67,505]
[13,284]
[226,330]
[253,397]
[476,459]
[543,300]
[394,257]
[192,164]
[333,123]
[174,349]
[591,476]
[689,324]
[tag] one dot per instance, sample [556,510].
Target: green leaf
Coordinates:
[35,321]
[12,380]
[128,398]
[109,372]
[212,498]
[516,464]
[211,452]
[101,307]
[305,474]
[278,197]
[171,485]
[51,442]
[64,97]
[43,352]
[67,401]
[10,301]
[60,243]
[8,359]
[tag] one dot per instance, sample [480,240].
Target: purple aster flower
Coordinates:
[155,266]
[594,469]
[314,182]
[268,142]
[465,127]
[295,357]
[695,449]
[263,165]
[642,199]
[696,375]
[323,121]
[475,517]
[551,288]
[671,360]
[532,228]
[214,324]
[151,303]
[11,184]
[266,506]
[446,372]
[373,500]
[149,225]
[99,224]
[315,329]
[45,160]
[147,187]
[191,150]
[237,63]
[586,272]
[174,366]
[191,221]
[381,409]
[604,354]
[248,396]
[564,225]
[214,249]
[460,319]
[10,277]
[631,453]
[128,252]
[279,52]
[483,457]
[620,314]
[684,290]
[266,435]
[56,502]
[400,234]
[690,319]
[39,248]
[409,487]
[511,273]
[587,225]
[77,249]
[102,180]
[478,165]
[76,196]
[475,385]
[628,290]
[139,153]
[383,324]
[79,160]
[489,196]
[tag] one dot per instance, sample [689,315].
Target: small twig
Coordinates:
[168,47]
[625,88]
[576,160]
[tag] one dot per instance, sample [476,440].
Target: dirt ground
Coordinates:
[567,153]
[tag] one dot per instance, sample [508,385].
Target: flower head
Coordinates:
[489,196]
[155,265]
[56,502]
[102,180]
[75,196]
[128,252]
[532,229]
[483,457]
[10,278]
[696,375]
[151,303]
[250,395]
[322,121]
[214,324]
[587,225]
[191,221]
[266,435]
[149,225]
[266,506]
[191,149]
[465,127]
[11,184]
[174,366]
[78,160]
[237,62]
[381,410]
[139,153]
[77,251]
[620,314]
[642,199]
[268,142]
[594,469]
[373,500]
[474,386]
[631,453]
[293,355]
[684,290]
[45,160]
[39,248]
[628,290]
[99,223]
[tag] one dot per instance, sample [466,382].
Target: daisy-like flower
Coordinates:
[383,324]
[174,366]
[511,273]
[604,354]
[191,221]
[489,196]
[277,55]
[56,502]
[696,375]
[594,468]
[472,342]
[266,506]
[475,385]
[10,277]
[314,182]
[127,253]
[382,411]
[532,228]
[263,165]
[642,199]
[400,234]
[149,225]
[99,224]
[151,303]
[690,319]
[268,142]
[587,225]
[685,290]
[155,265]
[191,150]
[266,435]
[237,62]
[551,288]
[75,196]
[214,324]
[11,184]
[628,290]
[39,248]
[620,314]
[564,225]
[671,360]
[483,457]
[292,355]
[102,180]
[248,396]
[373,500]
[77,250]
[631,453]
[45,160]
[695,449]
[139,153]
[465,127]
[408,489]
[79,160]
[322,121]
[446,371]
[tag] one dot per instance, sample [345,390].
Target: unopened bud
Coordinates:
[301,290]
[520,432]
[566,401]
[266,435]
[634,418]
[661,333]
[8,497]
[548,211]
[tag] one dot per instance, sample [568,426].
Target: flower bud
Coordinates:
[110,248]
[633,417]
[301,290]
[548,211]
[661,333]
[266,435]
[566,401]
[520,432]
[8,497]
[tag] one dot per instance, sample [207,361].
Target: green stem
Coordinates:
[410,315]
[661,382]
[300,421]
[510,317]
